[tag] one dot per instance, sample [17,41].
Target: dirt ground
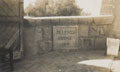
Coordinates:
[66,61]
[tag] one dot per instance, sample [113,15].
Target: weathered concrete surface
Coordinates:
[66,61]
[92,32]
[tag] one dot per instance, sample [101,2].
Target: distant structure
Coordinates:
[116,23]
[112,7]
[107,7]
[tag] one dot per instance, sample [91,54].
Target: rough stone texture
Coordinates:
[100,44]
[83,30]
[44,46]
[40,31]
[47,33]
[86,43]
[94,30]
[29,33]
[98,30]
[65,37]
[43,39]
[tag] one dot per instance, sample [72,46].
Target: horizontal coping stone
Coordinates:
[103,19]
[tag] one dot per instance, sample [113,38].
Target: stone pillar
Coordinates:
[107,7]
[116,24]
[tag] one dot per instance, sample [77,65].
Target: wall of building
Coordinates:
[116,23]
[39,32]
[11,17]
[107,7]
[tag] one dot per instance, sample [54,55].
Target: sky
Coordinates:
[27,2]
[91,6]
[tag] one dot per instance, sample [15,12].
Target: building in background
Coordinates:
[107,7]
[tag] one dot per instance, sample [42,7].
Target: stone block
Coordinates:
[117,24]
[93,30]
[100,44]
[86,43]
[65,37]
[55,21]
[39,33]
[29,36]
[74,20]
[44,46]
[85,20]
[64,21]
[98,30]
[45,21]
[83,30]
[47,33]
[103,20]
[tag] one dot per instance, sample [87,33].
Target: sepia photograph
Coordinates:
[59,35]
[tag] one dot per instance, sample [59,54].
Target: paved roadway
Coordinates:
[67,61]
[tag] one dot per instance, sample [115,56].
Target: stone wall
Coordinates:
[39,32]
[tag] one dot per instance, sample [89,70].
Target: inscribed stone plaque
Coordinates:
[113,46]
[65,37]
